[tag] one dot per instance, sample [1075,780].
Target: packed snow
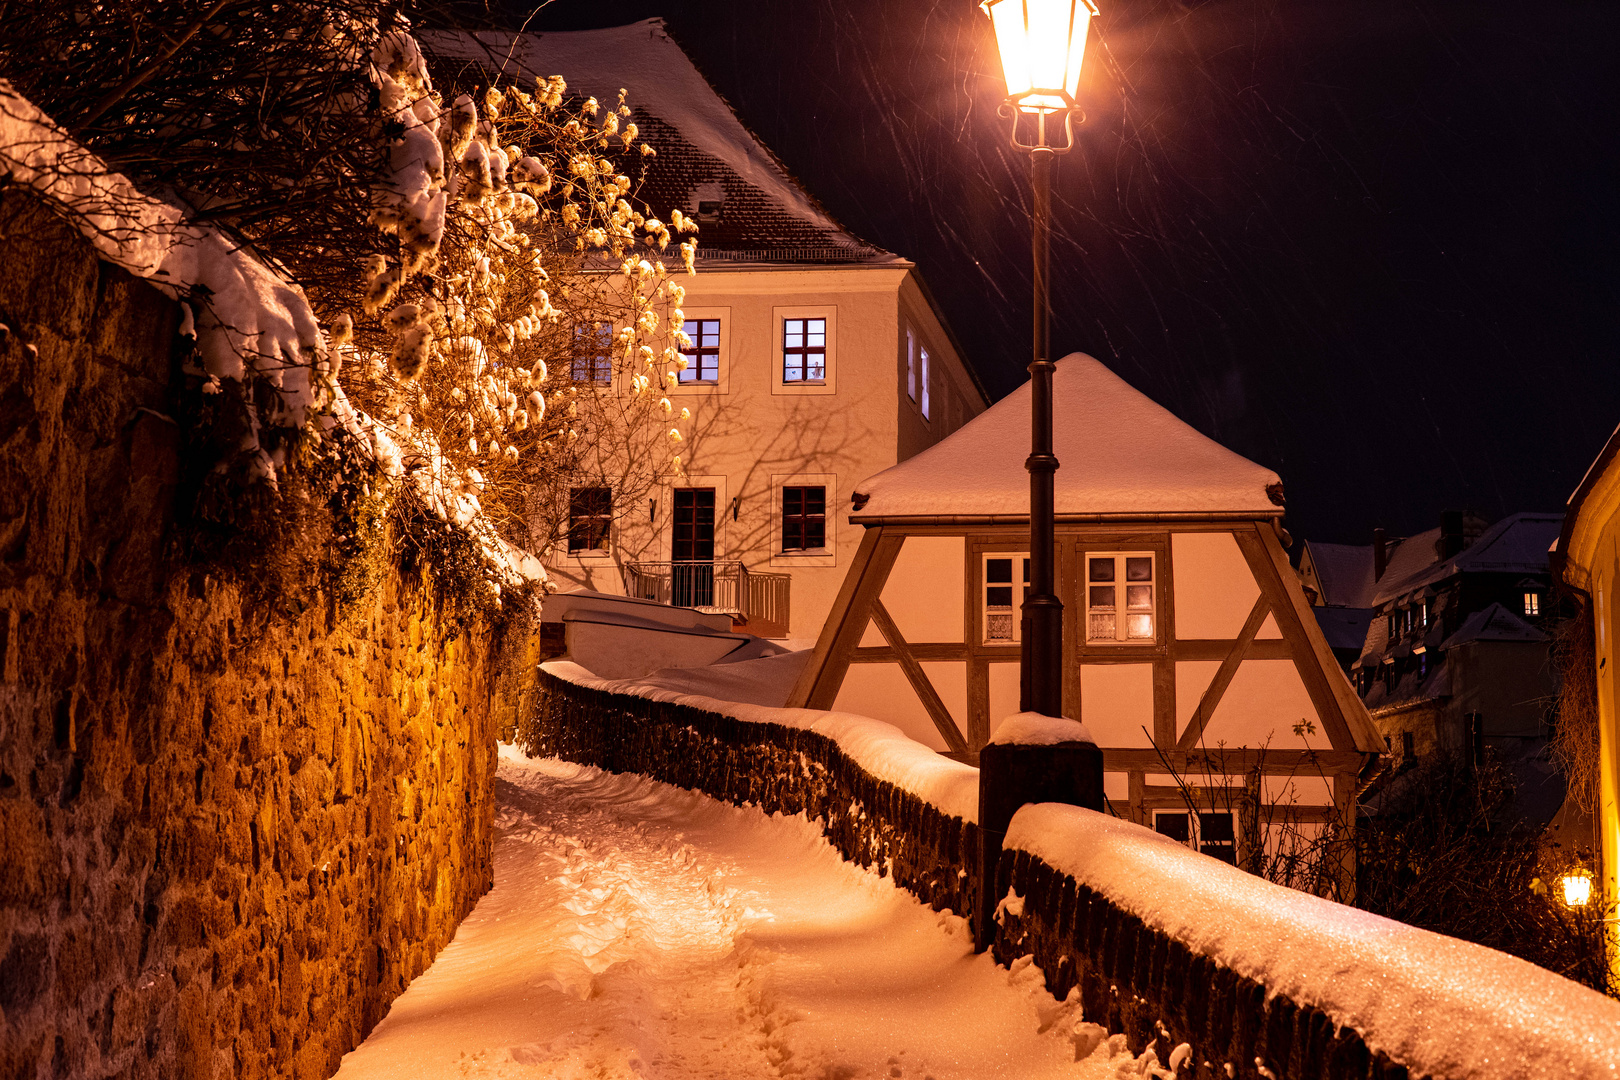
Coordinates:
[1119,453]
[639,930]
[881,749]
[1442,1006]
[1037,729]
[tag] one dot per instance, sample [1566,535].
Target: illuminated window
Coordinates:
[1001,614]
[911,365]
[1532,603]
[804,350]
[703,358]
[923,376]
[593,361]
[590,513]
[804,518]
[1119,598]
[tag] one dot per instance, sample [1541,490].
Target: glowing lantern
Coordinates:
[1577,888]
[1042,44]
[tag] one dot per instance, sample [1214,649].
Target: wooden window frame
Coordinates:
[592,361]
[1121,609]
[983,599]
[589,524]
[694,375]
[804,351]
[803,521]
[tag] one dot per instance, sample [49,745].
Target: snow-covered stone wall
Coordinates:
[1229,975]
[229,834]
[777,765]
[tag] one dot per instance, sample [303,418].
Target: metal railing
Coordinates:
[759,601]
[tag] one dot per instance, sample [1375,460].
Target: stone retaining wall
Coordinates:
[229,836]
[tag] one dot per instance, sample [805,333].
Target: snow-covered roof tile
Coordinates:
[1119,453]
[704,151]
[1345,572]
[1517,544]
[1494,623]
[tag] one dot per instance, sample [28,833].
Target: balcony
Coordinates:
[757,602]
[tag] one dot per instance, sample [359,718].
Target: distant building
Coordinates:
[1455,652]
[817,359]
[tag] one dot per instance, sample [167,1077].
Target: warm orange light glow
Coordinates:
[1577,888]
[1042,44]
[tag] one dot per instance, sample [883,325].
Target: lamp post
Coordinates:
[1042,45]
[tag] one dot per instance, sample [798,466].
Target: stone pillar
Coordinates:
[1025,764]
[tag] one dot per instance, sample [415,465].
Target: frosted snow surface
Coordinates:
[1441,1006]
[1119,452]
[660,79]
[639,930]
[1037,729]
[881,749]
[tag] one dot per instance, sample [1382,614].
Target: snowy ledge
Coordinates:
[1440,1006]
[881,749]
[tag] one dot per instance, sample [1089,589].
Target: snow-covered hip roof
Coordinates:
[1120,455]
[702,145]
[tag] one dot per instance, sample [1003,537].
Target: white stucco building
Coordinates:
[817,358]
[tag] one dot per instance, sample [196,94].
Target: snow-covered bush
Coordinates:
[390,285]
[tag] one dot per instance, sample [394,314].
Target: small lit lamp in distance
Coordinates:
[1042,45]
[1577,886]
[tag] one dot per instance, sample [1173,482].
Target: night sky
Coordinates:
[1371,244]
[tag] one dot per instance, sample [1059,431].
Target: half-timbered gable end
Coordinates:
[1192,653]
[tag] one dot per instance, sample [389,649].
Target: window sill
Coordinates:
[805,557]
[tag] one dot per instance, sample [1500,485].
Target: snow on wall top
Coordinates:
[1440,1006]
[881,749]
[662,83]
[1119,452]
[1034,729]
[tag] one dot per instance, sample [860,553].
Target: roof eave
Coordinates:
[1163,516]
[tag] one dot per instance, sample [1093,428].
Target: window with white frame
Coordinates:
[1004,597]
[1119,597]
[1532,603]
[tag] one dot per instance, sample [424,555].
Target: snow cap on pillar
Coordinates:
[1120,453]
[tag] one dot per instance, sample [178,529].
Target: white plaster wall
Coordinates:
[949,679]
[1214,588]
[1004,695]
[925,590]
[1117,786]
[882,692]
[1266,699]
[1305,789]
[1116,703]
[1192,679]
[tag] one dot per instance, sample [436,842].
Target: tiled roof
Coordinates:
[1345,572]
[1494,623]
[704,151]
[1516,544]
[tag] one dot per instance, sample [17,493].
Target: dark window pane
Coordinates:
[804,520]
[1101,569]
[1139,569]
[998,570]
[1101,596]
[1216,827]
[998,596]
[1175,826]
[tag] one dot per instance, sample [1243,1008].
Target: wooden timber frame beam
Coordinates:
[1223,675]
[817,685]
[931,702]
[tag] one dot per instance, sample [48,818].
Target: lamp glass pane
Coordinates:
[1050,33]
[1012,40]
[1077,49]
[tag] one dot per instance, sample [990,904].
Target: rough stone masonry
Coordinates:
[228,839]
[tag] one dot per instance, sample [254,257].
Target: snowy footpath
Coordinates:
[637,930]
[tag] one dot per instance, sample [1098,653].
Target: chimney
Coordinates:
[1451,534]
[1380,554]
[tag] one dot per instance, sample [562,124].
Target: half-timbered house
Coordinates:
[1192,655]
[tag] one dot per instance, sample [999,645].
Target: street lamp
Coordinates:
[1042,45]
